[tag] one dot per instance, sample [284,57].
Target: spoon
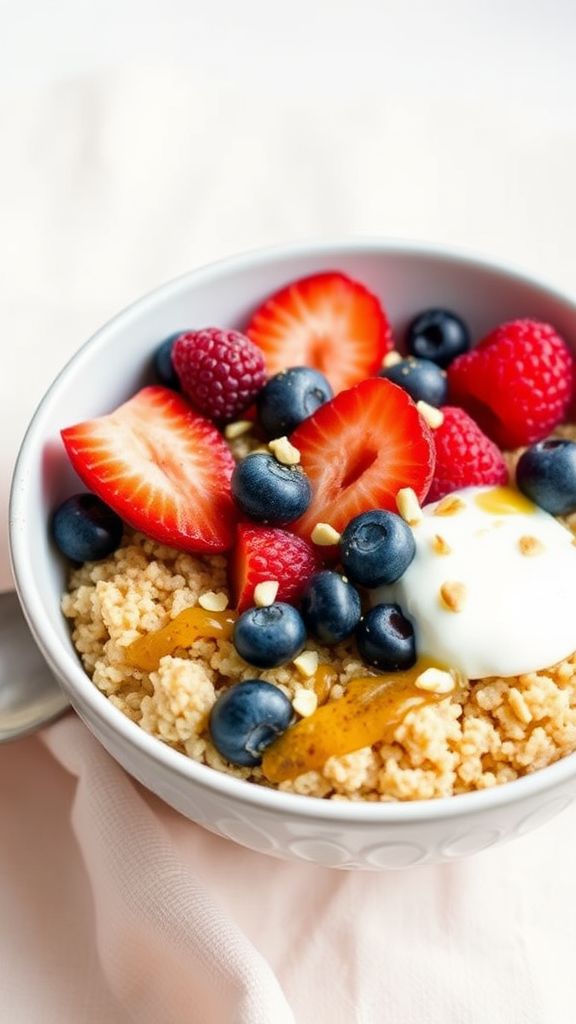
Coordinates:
[29,694]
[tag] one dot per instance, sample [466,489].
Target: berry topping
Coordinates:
[85,529]
[465,457]
[221,372]
[268,491]
[290,397]
[330,607]
[517,383]
[328,322]
[162,467]
[385,639]
[377,548]
[247,718]
[546,473]
[438,335]
[359,450]
[262,554]
[163,365]
[269,636]
[422,379]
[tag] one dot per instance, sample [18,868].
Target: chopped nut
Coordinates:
[530,545]
[519,706]
[453,595]
[434,417]
[284,452]
[306,663]
[304,702]
[265,593]
[325,535]
[391,359]
[434,680]
[408,506]
[449,506]
[234,430]
[212,602]
[440,545]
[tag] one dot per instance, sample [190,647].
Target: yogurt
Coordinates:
[492,587]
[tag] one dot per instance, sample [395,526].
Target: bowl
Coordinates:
[107,370]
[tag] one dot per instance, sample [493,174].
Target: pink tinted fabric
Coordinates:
[114,908]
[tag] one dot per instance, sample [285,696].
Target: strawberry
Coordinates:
[359,450]
[162,467]
[328,322]
[517,383]
[263,553]
[465,457]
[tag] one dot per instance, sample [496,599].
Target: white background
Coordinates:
[139,138]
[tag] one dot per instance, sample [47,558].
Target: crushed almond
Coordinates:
[449,506]
[284,452]
[530,545]
[304,702]
[408,506]
[440,545]
[391,359]
[519,706]
[306,663]
[325,535]
[453,595]
[212,602]
[234,430]
[434,417]
[435,680]
[265,593]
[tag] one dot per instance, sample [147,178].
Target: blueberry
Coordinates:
[85,529]
[268,491]
[290,397]
[438,335]
[385,639]
[163,367]
[247,718]
[376,548]
[330,607]
[422,379]
[546,473]
[270,636]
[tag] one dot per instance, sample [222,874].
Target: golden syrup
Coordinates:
[190,625]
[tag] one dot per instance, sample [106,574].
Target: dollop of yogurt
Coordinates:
[491,590]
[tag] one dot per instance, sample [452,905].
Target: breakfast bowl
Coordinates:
[107,370]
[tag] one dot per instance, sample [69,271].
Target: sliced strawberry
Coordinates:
[327,321]
[263,553]
[162,467]
[359,450]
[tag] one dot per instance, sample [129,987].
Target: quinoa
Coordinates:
[489,732]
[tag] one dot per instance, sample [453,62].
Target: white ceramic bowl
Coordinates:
[109,368]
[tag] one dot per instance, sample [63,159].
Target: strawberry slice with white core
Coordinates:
[359,450]
[162,467]
[329,322]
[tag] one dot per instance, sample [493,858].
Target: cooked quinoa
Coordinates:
[493,731]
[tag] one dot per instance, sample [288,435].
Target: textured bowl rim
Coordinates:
[68,668]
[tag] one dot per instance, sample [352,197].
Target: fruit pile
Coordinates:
[350,439]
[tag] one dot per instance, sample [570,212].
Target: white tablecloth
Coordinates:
[112,907]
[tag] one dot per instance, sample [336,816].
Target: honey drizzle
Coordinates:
[190,625]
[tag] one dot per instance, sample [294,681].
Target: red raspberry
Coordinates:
[265,553]
[221,372]
[517,383]
[465,457]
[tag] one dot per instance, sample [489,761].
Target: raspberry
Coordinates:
[517,383]
[264,553]
[465,457]
[221,372]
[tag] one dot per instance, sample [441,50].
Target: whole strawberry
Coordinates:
[465,457]
[221,372]
[517,383]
